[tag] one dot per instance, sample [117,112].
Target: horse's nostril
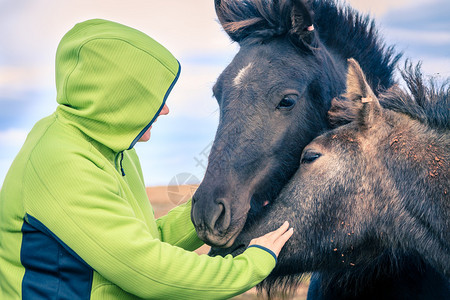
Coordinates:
[221,217]
[196,216]
[216,216]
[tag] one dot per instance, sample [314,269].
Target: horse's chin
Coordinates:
[230,242]
[233,250]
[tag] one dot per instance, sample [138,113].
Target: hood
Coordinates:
[112,81]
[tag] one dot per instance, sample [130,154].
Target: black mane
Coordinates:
[344,30]
[427,103]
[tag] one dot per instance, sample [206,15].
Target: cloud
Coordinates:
[33,30]
[420,31]
[427,16]
[430,43]
[25,107]
[436,67]
[192,95]
[179,144]
[12,137]
[15,80]
[381,7]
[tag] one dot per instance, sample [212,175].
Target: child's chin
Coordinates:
[145,137]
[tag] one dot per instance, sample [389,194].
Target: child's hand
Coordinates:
[274,240]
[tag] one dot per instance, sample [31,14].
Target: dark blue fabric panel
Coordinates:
[314,290]
[52,269]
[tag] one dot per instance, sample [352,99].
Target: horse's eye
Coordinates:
[288,102]
[309,156]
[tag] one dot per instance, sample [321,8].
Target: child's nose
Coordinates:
[164,110]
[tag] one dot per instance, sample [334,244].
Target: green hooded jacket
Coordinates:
[75,220]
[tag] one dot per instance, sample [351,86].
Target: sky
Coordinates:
[30,31]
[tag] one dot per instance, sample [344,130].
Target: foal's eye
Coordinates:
[288,102]
[309,156]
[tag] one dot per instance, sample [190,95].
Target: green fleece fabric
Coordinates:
[77,181]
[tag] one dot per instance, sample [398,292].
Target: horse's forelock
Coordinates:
[343,111]
[339,26]
[260,19]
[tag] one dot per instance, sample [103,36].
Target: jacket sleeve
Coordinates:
[87,211]
[176,228]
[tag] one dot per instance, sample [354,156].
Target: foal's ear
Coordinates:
[359,93]
[302,33]
[359,103]
[357,87]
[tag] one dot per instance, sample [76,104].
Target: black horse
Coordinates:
[274,97]
[371,199]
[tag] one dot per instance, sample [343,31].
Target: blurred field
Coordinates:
[164,198]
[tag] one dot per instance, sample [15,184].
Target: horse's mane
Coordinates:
[341,28]
[427,103]
[421,99]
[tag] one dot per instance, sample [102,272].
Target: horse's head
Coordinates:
[273,99]
[324,202]
[374,186]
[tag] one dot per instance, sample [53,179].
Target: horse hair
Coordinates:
[349,279]
[345,33]
[340,27]
[426,103]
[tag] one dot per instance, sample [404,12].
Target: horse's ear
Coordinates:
[357,86]
[360,93]
[359,103]
[302,32]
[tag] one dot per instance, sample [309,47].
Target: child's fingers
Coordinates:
[282,229]
[285,236]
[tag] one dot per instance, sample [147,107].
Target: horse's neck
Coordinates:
[409,279]
[418,161]
[422,155]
